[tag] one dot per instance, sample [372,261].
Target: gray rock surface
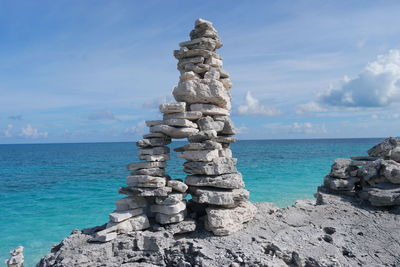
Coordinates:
[339,232]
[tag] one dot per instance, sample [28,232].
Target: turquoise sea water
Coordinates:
[49,189]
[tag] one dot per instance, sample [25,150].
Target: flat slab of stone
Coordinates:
[158,150]
[145,192]
[207,124]
[180,123]
[202,136]
[202,43]
[173,107]
[365,158]
[216,167]
[146,165]
[228,181]
[200,155]
[225,139]
[384,194]
[384,147]
[390,169]
[167,219]
[151,142]
[205,145]
[209,109]
[188,115]
[219,197]
[150,171]
[161,157]
[128,203]
[119,216]
[169,209]
[145,181]
[174,132]
[227,221]
[104,237]
[154,135]
[171,199]
[339,184]
[177,186]
[153,123]
[135,223]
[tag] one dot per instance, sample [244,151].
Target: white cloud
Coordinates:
[254,107]
[137,129]
[378,85]
[7,132]
[296,128]
[309,108]
[242,129]
[29,132]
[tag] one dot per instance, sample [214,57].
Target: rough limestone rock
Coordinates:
[391,171]
[189,115]
[217,167]
[209,109]
[158,150]
[227,221]
[341,168]
[180,123]
[145,181]
[383,194]
[173,132]
[340,184]
[207,124]
[17,257]
[206,145]
[339,232]
[200,155]
[173,108]
[384,147]
[149,171]
[203,91]
[203,136]
[163,218]
[171,199]
[214,196]
[169,209]
[128,203]
[145,192]
[228,181]
[145,165]
[150,142]
[119,216]
[177,185]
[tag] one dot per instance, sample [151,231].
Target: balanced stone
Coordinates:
[340,184]
[227,83]
[186,226]
[153,142]
[228,181]
[180,123]
[209,109]
[341,168]
[162,157]
[128,203]
[171,199]
[202,43]
[167,219]
[153,123]
[150,171]
[106,237]
[169,209]
[200,155]
[174,132]
[146,165]
[145,181]
[189,115]
[391,171]
[227,221]
[173,107]
[155,135]
[203,136]
[207,123]
[384,194]
[394,154]
[225,139]
[216,167]
[197,68]
[158,150]
[384,147]
[177,185]
[228,198]
[119,216]
[225,152]
[206,145]
[145,192]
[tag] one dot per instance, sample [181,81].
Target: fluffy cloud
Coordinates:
[7,131]
[29,132]
[378,85]
[137,129]
[253,106]
[309,108]
[296,128]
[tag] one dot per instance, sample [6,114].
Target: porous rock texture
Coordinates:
[332,231]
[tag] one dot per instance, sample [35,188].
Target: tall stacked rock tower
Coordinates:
[201,115]
[214,181]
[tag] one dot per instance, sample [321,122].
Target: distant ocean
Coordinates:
[49,189]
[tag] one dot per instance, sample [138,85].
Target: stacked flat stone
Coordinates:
[214,181]
[17,257]
[375,178]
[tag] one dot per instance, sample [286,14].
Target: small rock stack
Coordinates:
[204,86]
[17,257]
[375,178]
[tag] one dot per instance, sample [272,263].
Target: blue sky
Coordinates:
[92,71]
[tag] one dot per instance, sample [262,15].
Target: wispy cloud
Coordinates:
[310,107]
[253,106]
[29,132]
[136,130]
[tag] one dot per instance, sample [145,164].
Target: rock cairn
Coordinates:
[17,257]
[201,114]
[374,178]
[214,182]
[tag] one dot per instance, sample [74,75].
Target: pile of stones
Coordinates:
[17,257]
[201,114]
[374,178]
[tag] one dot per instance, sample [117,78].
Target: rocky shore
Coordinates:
[331,231]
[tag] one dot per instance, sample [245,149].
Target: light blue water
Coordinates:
[49,189]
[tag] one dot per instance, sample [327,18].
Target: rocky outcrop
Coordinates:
[17,257]
[375,178]
[332,231]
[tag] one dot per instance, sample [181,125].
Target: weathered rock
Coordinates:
[180,123]
[370,171]
[341,168]
[128,203]
[203,136]
[146,165]
[207,124]
[217,167]
[119,216]
[177,186]
[209,109]
[169,209]
[228,181]
[171,199]
[173,108]
[225,152]
[383,194]
[227,221]
[219,197]
[225,139]
[182,227]
[196,68]
[150,142]
[170,218]
[17,257]
[200,155]
[145,181]
[391,171]
[162,157]
[185,53]
[107,237]
[145,192]
[202,43]
[227,83]
[155,135]
[174,132]
[158,150]
[189,115]
[202,91]
[150,171]
[381,149]
[394,154]
[206,145]
[340,184]
[229,128]
[153,123]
